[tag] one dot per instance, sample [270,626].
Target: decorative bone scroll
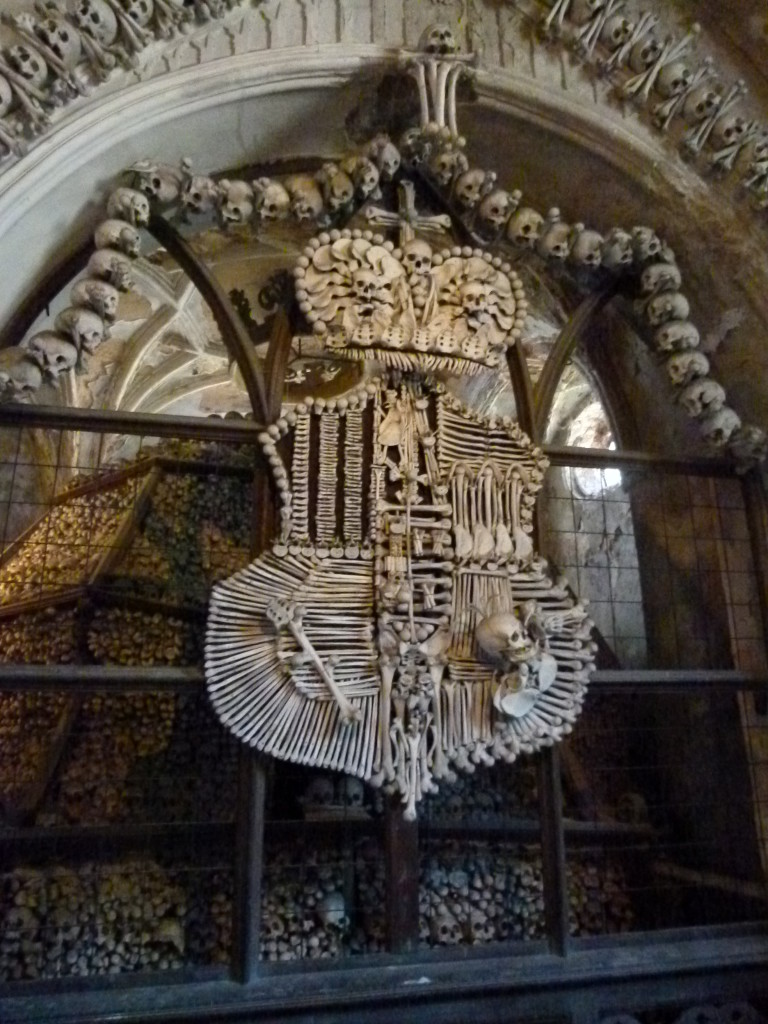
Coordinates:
[401,627]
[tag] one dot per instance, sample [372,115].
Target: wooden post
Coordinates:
[757,521]
[553,851]
[248,868]
[402,866]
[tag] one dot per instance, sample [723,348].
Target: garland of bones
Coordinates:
[331,195]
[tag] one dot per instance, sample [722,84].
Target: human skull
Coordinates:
[703,102]
[474,302]
[83,326]
[53,352]
[496,208]
[365,288]
[235,202]
[129,204]
[353,791]
[616,31]
[586,247]
[417,257]
[158,181]
[139,11]
[97,295]
[332,911]
[660,277]
[582,10]
[727,130]
[555,238]
[445,929]
[446,164]
[673,79]
[415,149]
[676,336]
[524,227]
[365,177]
[644,53]
[118,235]
[749,444]
[29,64]
[388,161]
[113,266]
[199,194]
[438,39]
[96,18]
[702,396]
[60,37]
[320,792]
[667,306]
[617,249]
[272,199]
[718,427]
[645,243]
[481,927]
[683,367]
[306,198]
[469,188]
[338,190]
[20,374]
[502,638]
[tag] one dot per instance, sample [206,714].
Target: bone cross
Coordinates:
[407,219]
[282,614]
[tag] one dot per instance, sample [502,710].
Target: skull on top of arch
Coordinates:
[438,39]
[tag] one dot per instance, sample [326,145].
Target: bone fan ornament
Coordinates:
[402,627]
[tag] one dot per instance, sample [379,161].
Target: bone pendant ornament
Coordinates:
[402,627]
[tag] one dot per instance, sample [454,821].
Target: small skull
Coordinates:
[676,336]
[158,181]
[646,244]
[497,207]
[481,927]
[438,39]
[415,149]
[683,367]
[199,194]
[718,427]
[644,53]
[353,791]
[60,37]
[673,79]
[445,164]
[702,396]
[617,249]
[29,64]
[338,190]
[365,288]
[667,306]
[365,177]
[54,353]
[703,102]
[139,11]
[332,911]
[96,18]
[555,241]
[524,227]
[97,295]
[236,202]
[113,266]
[616,31]
[586,247]
[749,444]
[386,156]
[306,198]
[20,375]
[417,257]
[469,188]
[129,204]
[320,792]
[272,199]
[83,326]
[445,929]
[727,130]
[118,235]
[474,302]
[658,277]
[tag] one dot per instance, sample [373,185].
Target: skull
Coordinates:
[469,188]
[272,199]
[306,198]
[388,161]
[586,247]
[118,235]
[445,929]
[199,194]
[701,104]
[683,367]
[59,36]
[749,444]
[645,243]
[616,31]
[96,18]
[474,302]
[365,287]
[644,53]
[354,791]
[481,927]
[129,204]
[702,396]
[236,202]
[365,177]
[417,257]
[320,792]
[332,911]
[673,79]
[414,148]
[113,266]
[667,306]
[83,326]
[496,208]
[555,237]
[53,352]
[503,640]
[676,336]
[158,181]
[446,164]
[338,190]
[97,295]
[660,277]
[20,374]
[617,249]
[727,130]
[717,427]
[29,64]
[582,10]
[524,227]
[438,39]
[140,11]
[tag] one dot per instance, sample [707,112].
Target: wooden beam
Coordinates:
[99,678]
[553,851]
[402,878]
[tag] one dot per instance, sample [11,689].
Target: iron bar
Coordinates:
[100,678]
[553,852]
[249,865]
[676,679]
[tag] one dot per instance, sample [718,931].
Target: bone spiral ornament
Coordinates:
[402,627]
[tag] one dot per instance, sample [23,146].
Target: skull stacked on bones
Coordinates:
[496,208]
[438,40]
[417,260]
[96,18]
[61,38]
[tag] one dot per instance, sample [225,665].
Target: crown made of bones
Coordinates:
[411,307]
